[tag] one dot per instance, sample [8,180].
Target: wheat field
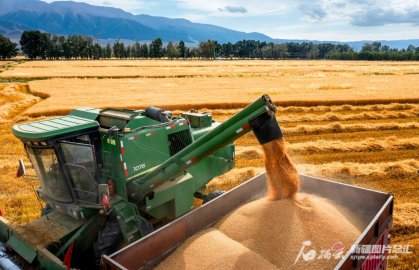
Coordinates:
[352,122]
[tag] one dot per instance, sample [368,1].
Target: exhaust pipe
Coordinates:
[6,262]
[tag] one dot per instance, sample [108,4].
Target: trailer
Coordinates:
[374,207]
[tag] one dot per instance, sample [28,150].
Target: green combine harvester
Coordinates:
[109,177]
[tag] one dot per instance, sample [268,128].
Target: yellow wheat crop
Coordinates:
[355,122]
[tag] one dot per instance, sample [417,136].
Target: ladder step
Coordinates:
[132,218]
[132,232]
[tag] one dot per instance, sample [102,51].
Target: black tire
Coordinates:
[110,237]
[108,240]
[145,226]
[212,196]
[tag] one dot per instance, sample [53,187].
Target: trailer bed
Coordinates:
[375,208]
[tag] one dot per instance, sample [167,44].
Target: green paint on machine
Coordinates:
[133,168]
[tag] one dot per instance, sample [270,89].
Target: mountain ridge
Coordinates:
[107,23]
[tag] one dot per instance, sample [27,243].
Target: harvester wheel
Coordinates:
[212,196]
[146,226]
[108,240]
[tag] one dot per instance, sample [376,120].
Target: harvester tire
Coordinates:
[146,226]
[212,196]
[108,240]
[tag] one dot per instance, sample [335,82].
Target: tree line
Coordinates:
[41,45]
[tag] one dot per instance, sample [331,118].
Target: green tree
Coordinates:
[8,49]
[108,51]
[207,49]
[227,50]
[119,50]
[156,48]
[182,49]
[411,48]
[371,47]
[56,50]
[31,43]
[97,52]
[275,51]
[172,51]
[144,53]
[314,52]
[136,50]
[128,52]
[385,48]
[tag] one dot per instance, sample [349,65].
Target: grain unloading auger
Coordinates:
[109,176]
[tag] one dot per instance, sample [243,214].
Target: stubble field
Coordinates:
[353,122]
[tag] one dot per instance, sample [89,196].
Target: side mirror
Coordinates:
[21,170]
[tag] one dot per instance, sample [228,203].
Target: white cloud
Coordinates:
[252,7]
[362,12]
[233,9]
[299,19]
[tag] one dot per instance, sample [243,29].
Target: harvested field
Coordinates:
[396,169]
[353,122]
[237,68]
[323,146]
[347,128]
[347,117]
[368,145]
[15,98]
[139,93]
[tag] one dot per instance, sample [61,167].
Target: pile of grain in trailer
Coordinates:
[269,233]
[276,230]
[212,249]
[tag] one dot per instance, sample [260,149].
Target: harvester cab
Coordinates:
[65,155]
[109,176]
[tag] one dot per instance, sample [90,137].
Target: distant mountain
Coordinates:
[67,17]
[398,44]
[106,23]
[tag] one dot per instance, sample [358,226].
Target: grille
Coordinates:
[179,140]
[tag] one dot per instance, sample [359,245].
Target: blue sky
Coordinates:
[343,20]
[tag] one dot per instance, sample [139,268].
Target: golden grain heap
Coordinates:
[268,233]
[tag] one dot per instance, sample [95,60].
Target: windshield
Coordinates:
[50,174]
[80,164]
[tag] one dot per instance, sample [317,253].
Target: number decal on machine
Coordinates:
[139,167]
